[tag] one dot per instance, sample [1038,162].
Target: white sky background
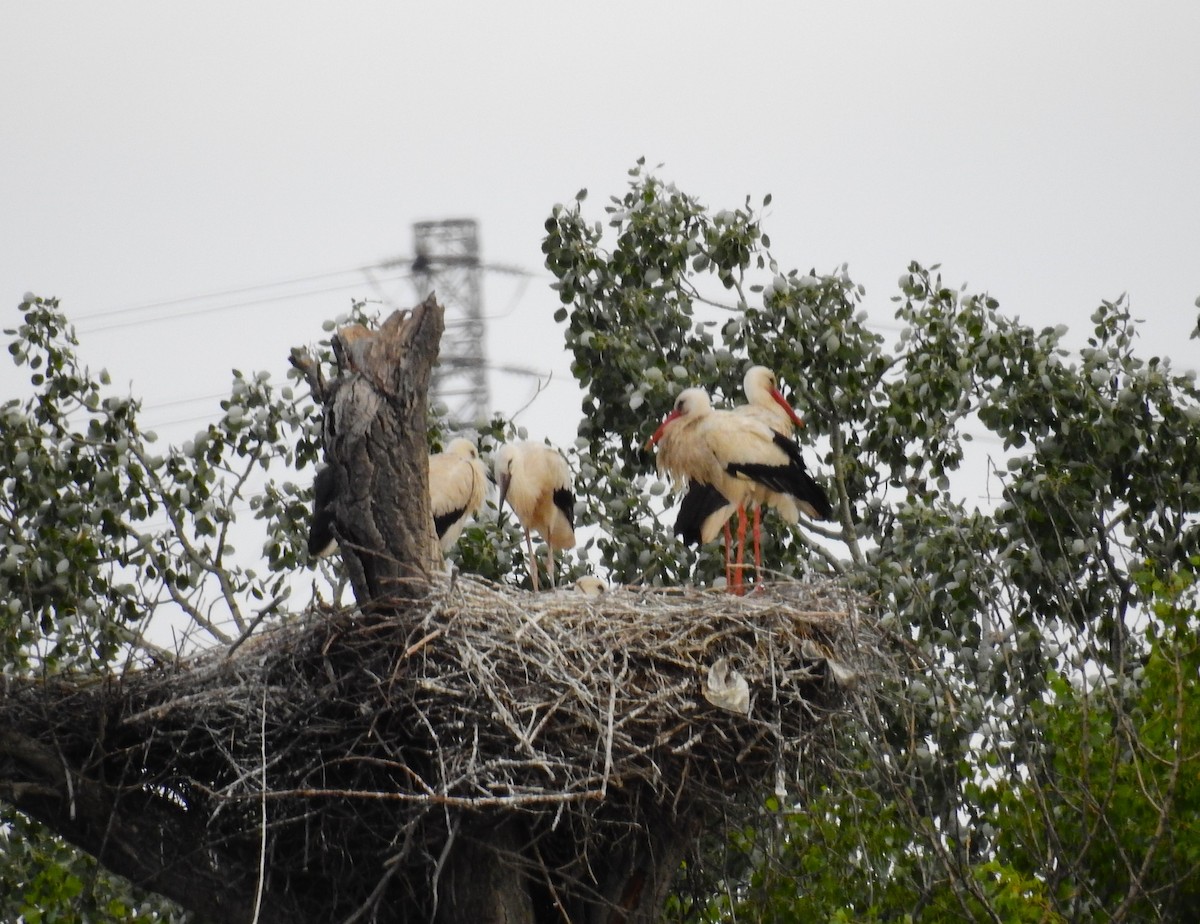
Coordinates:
[1048,153]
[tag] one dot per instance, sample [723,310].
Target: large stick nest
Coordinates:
[367,739]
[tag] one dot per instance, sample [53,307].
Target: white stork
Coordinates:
[736,459]
[457,489]
[765,403]
[712,494]
[537,482]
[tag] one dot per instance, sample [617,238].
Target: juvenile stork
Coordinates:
[457,489]
[537,483]
[734,457]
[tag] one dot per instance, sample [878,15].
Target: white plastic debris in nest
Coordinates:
[590,586]
[726,688]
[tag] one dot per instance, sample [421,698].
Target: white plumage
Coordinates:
[457,489]
[693,445]
[537,482]
[729,459]
[765,403]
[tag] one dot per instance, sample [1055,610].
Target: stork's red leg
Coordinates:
[758,543]
[741,549]
[728,574]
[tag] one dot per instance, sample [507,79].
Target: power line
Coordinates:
[213,309]
[502,368]
[226,292]
[213,396]
[385,264]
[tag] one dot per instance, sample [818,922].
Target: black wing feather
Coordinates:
[699,503]
[320,530]
[792,478]
[446,520]
[564,500]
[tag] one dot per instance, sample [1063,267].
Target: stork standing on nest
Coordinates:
[703,509]
[537,483]
[765,403]
[711,496]
[736,457]
[457,489]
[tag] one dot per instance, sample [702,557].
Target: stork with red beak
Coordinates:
[536,481]
[702,509]
[729,459]
[765,403]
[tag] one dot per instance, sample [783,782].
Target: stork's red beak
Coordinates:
[662,428]
[782,402]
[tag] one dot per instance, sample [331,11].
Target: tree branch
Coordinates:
[116,825]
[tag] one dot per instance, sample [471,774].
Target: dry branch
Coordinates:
[445,750]
[577,725]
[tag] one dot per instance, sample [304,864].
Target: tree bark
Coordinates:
[376,421]
[157,774]
[639,877]
[481,881]
[133,835]
[375,426]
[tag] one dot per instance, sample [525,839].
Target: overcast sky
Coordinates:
[1046,152]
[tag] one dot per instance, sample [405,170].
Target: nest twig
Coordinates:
[583,717]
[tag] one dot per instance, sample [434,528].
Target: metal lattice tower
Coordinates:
[447,263]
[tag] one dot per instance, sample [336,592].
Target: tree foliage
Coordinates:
[113,552]
[1008,606]
[1038,762]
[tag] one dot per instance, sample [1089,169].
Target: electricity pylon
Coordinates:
[447,263]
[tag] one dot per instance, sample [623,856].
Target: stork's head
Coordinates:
[761,388]
[463,448]
[691,401]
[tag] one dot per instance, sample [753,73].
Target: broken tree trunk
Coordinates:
[376,418]
[446,750]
